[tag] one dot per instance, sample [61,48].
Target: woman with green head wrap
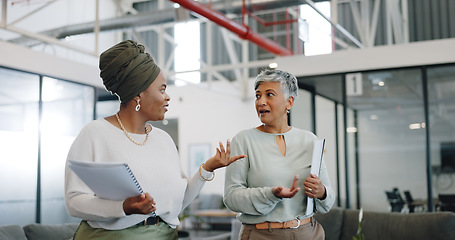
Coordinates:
[127,137]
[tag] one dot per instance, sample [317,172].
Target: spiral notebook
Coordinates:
[114,181]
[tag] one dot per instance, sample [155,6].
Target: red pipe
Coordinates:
[241,30]
[288,30]
[264,23]
[267,24]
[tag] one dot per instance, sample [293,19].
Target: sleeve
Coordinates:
[195,184]
[238,197]
[79,199]
[325,205]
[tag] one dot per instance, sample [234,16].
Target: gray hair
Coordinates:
[287,81]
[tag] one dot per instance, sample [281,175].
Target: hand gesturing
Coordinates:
[222,158]
[283,192]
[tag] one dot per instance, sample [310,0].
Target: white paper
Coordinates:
[113,181]
[318,154]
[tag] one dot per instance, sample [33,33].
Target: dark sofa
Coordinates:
[38,232]
[341,224]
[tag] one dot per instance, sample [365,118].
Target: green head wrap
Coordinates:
[127,70]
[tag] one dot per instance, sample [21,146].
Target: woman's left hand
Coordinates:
[314,187]
[222,158]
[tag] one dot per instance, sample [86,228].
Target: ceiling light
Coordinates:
[273,65]
[351,129]
[414,126]
[176,5]
[373,117]
[381,83]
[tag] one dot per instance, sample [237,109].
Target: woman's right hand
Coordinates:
[283,192]
[142,204]
[222,158]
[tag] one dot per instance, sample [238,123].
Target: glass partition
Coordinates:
[325,129]
[341,167]
[19,107]
[301,114]
[67,108]
[388,113]
[106,108]
[351,161]
[35,136]
[441,99]
[329,86]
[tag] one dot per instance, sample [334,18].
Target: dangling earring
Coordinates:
[138,106]
[288,111]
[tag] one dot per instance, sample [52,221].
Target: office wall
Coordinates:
[208,116]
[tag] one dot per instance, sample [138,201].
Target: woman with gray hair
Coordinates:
[278,155]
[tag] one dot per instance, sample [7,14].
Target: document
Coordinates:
[318,154]
[114,181]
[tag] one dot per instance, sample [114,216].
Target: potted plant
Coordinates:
[359,234]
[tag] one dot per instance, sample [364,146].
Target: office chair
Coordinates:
[447,202]
[395,201]
[412,204]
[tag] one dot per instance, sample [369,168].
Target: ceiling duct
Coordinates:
[153,17]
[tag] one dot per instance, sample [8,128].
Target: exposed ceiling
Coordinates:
[129,18]
[16,16]
[133,19]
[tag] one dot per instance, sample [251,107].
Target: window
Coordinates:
[35,136]
[66,108]
[19,104]
[319,30]
[187,52]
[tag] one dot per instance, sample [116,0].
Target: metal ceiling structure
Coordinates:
[239,21]
[242,30]
[365,20]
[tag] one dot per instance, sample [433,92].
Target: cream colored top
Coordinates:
[156,166]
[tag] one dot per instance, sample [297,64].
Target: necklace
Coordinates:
[128,135]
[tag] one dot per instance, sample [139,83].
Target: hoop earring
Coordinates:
[138,106]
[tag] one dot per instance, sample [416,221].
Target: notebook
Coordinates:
[114,181]
[318,154]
